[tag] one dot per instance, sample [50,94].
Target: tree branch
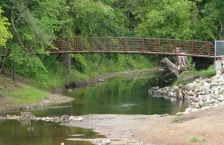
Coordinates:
[18,36]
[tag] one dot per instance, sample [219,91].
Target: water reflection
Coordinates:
[12,132]
[122,95]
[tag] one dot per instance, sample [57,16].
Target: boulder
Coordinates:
[190,86]
[205,86]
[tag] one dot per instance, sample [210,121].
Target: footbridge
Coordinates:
[133,45]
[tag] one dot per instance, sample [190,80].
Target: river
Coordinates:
[121,95]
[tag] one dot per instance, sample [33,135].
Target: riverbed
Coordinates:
[126,96]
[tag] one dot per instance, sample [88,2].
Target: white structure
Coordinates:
[219,57]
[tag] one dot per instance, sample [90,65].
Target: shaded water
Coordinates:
[13,132]
[122,95]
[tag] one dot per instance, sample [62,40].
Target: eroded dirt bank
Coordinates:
[206,126]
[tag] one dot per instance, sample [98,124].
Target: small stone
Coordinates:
[107,141]
[201,103]
[179,113]
[72,118]
[43,118]
[189,86]
[220,99]
[216,105]
[186,113]
[197,105]
[188,110]
[205,108]
[194,110]
[65,117]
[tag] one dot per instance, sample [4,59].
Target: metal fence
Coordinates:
[219,48]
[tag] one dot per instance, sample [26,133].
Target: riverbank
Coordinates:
[203,127]
[200,127]
[22,94]
[33,101]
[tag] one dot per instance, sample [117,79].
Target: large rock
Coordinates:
[205,86]
[190,86]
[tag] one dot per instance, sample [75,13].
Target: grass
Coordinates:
[208,72]
[27,94]
[173,119]
[17,92]
[183,79]
[195,139]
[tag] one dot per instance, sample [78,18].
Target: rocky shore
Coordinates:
[201,94]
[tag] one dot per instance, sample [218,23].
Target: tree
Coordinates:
[35,24]
[166,19]
[5,34]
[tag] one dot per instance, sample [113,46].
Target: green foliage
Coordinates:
[5,34]
[194,139]
[27,65]
[36,24]
[79,62]
[171,19]
[208,72]
[94,18]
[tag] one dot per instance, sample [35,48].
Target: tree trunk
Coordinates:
[180,65]
[101,61]
[181,62]
[171,66]
[66,60]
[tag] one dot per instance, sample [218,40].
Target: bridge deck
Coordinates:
[134,46]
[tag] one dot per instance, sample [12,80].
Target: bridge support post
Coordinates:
[218,66]
[66,60]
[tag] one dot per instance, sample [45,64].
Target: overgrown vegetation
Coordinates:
[30,27]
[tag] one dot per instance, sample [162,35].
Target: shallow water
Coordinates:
[122,95]
[13,132]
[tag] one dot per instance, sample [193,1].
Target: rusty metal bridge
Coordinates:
[132,45]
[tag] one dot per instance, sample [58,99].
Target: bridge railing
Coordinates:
[134,45]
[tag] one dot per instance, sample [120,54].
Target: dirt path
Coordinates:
[206,126]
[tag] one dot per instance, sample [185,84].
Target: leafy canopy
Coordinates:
[168,19]
[4,32]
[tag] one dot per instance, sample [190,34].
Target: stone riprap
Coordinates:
[26,117]
[201,93]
